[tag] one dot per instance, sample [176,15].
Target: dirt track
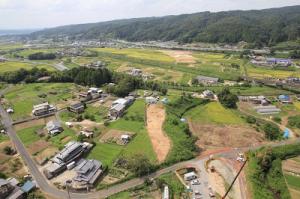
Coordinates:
[155,120]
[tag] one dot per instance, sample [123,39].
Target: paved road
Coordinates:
[51,190]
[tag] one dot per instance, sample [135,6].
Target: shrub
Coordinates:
[272,132]
[251,119]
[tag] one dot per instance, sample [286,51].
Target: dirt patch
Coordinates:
[47,153]
[225,136]
[222,177]
[37,146]
[114,136]
[292,166]
[155,119]
[33,123]
[87,124]
[181,56]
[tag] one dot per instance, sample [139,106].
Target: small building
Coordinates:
[77,107]
[278,61]
[54,127]
[151,100]
[117,111]
[208,94]
[88,172]
[166,194]
[17,194]
[87,133]
[207,80]
[95,90]
[190,176]
[10,110]
[13,181]
[54,169]
[125,138]
[135,72]
[267,110]
[86,96]
[43,109]
[28,186]
[285,99]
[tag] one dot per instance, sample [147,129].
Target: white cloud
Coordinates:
[49,13]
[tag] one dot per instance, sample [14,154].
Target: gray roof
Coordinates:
[118,107]
[3,182]
[205,78]
[68,150]
[88,171]
[77,105]
[52,125]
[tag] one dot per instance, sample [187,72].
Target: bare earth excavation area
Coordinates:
[160,141]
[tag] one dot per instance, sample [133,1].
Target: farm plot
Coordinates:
[291,170]
[13,66]
[22,97]
[160,141]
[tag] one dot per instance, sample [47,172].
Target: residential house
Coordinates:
[72,151]
[43,109]
[207,80]
[87,173]
[5,188]
[87,133]
[77,107]
[28,186]
[117,111]
[54,127]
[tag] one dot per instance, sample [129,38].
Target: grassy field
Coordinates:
[147,54]
[13,66]
[292,181]
[22,97]
[214,113]
[132,121]
[28,135]
[175,186]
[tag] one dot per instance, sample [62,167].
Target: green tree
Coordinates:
[272,132]
[227,99]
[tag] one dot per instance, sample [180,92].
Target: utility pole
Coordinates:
[237,175]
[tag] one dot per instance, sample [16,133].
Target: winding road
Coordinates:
[56,193]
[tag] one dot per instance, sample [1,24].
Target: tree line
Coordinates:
[122,85]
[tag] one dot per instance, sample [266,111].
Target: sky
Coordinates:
[31,14]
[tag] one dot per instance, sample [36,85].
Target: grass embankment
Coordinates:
[265,174]
[214,113]
[183,143]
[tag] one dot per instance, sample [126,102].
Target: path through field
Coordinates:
[160,141]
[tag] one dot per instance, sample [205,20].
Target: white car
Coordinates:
[195,182]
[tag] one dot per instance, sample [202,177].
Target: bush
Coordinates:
[8,150]
[227,99]
[272,132]
[251,119]
[277,119]
[294,121]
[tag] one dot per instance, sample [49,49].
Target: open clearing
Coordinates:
[181,56]
[225,136]
[37,146]
[155,120]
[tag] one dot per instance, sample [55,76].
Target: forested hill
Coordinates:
[267,26]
